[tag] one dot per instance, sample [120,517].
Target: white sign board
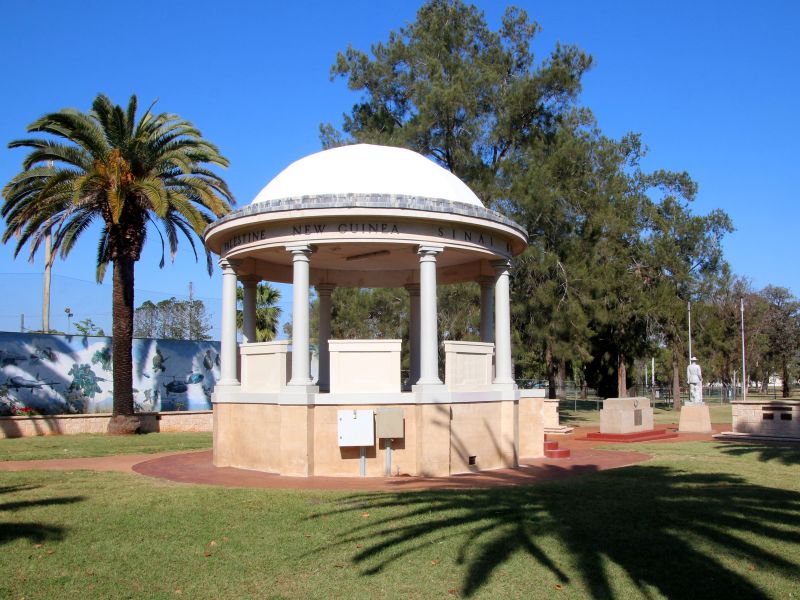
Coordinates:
[356,428]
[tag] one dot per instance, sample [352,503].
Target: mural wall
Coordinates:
[71,374]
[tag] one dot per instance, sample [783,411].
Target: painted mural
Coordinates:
[71,374]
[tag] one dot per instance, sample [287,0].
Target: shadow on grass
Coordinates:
[787,454]
[664,527]
[580,417]
[33,531]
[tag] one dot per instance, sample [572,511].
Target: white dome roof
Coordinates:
[367,169]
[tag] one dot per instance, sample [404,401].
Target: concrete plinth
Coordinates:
[532,422]
[695,418]
[444,433]
[776,419]
[626,415]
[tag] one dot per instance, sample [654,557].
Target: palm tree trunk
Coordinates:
[123,420]
[622,377]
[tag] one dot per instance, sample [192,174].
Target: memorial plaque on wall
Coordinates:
[637,417]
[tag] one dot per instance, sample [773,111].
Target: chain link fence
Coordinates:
[576,397]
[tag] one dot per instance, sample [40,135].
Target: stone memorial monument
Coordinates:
[628,420]
[695,417]
[764,420]
[626,415]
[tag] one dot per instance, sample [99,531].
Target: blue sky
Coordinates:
[712,87]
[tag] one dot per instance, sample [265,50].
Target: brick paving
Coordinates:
[196,467]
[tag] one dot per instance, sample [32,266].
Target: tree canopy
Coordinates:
[615,250]
[267,312]
[451,88]
[172,319]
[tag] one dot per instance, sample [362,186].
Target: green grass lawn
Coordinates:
[701,520]
[587,414]
[77,446]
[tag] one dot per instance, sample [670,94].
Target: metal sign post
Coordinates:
[387,458]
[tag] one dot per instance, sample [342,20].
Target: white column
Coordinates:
[301,367]
[324,291]
[487,308]
[249,310]
[429,334]
[413,332]
[502,323]
[228,347]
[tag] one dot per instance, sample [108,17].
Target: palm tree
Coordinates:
[267,313]
[132,176]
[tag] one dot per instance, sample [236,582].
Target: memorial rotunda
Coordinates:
[368,216]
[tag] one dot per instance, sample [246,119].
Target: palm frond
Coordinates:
[130,116]
[187,231]
[76,127]
[162,262]
[156,194]
[103,256]
[106,164]
[71,230]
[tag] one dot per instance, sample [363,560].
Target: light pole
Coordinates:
[744,366]
[690,331]
[653,371]
[69,314]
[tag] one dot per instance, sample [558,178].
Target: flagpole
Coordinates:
[690,331]
[744,367]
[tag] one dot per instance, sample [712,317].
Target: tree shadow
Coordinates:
[787,454]
[23,504]
[10,489]
[569,417]
[33,531]
[665,528]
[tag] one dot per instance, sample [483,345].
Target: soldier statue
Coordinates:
[694,377]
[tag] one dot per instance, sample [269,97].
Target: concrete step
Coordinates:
[550,445]
[639,436]
[557,453]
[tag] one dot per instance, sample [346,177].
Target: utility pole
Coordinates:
[48,264]
[744,366]
[191,309]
